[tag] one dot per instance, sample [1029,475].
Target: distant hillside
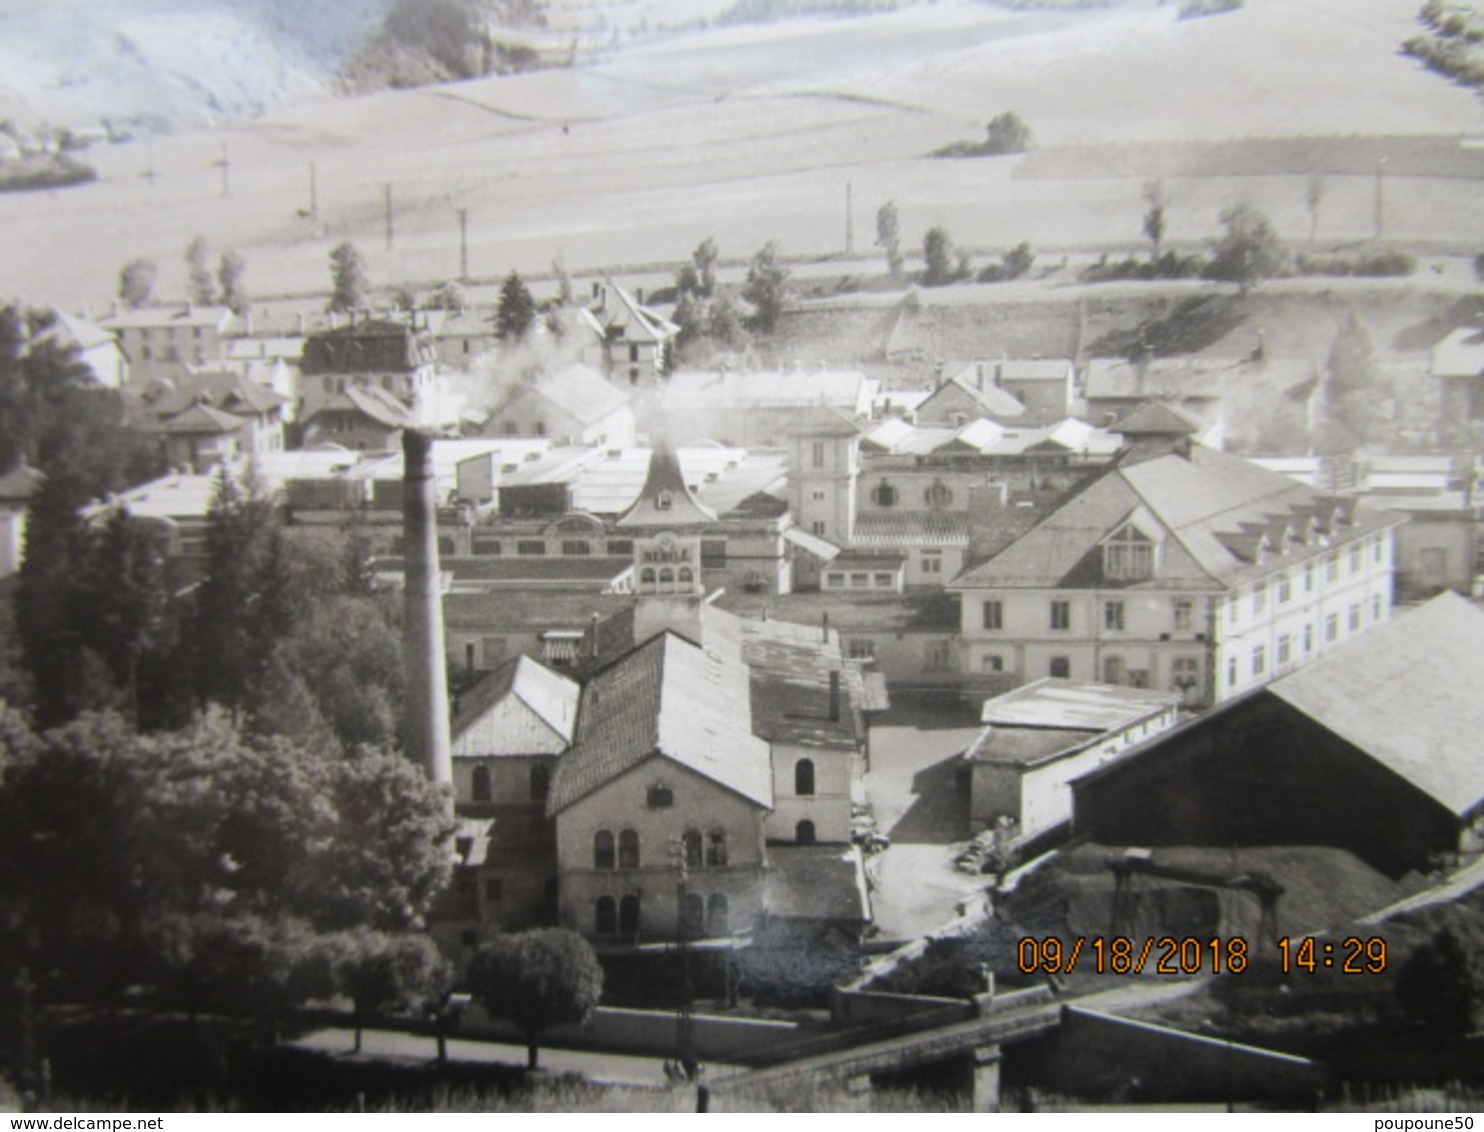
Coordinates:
[171,63]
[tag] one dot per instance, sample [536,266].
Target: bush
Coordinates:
[1365,264]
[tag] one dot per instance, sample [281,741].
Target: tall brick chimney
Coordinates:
[426,725]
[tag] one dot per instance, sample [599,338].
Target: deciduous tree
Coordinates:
[1006,133]
[766,288]
[889,236]
[1249,249]
[200,285]
[137,282]
[231,277]
[939,257]
[537,979]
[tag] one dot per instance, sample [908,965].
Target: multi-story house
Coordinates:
[160,342]
[397,359]
[1180,568]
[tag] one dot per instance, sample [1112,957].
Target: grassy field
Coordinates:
[751,133]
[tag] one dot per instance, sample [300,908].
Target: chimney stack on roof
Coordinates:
[834,695]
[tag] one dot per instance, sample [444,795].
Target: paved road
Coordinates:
[604,1068]
[913,791]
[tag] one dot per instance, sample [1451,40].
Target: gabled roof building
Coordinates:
[1373,748]
[1195,571]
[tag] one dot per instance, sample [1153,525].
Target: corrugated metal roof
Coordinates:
[1369,692]
[924,528]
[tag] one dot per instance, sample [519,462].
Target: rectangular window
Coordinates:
[713,553]
[576,547]
[932,565]
[861,648]
[860,581]
[1259,598]
[1331,568]
[1355,559]
[622,547]
[531,548]
[1376,608]
[1113,615]
[486,546]
[1376,549]
[992,662]
[1355,617]
[834,581]
[818,497]
[1309,580]
[885,581]
[817,526]
[1061,614]
[1259,660]
[1308,638]
[1285,648]
[1285,589]
[994,615]
[1231,672]
[1061,667]
[1331,627]
[1183,611]
[660,798]
[1232,612]
[939,656]
[816,453]
[1185,672]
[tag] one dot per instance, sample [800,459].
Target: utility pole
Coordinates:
[226,164]
[313,193]
[463,245]
[387,194]
[849,221]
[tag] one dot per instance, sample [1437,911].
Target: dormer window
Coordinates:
[1128,555]
[663,501]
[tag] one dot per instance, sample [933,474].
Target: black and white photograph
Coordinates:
[741,556]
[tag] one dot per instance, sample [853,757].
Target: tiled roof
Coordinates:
[671,699]
[1210,509]
[516,568]
[535,612]
[1155,418]
[221,390]
[201,418]
[372,346]
[883,613]
[816,882]
[149,317]
[375,403]
[1368,693]
[539,711]
[992,400]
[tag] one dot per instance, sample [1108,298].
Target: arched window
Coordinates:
[716,848]
[605,916]
[540,782]
[628,849]
[690,842]
[804,832]
[938,495]
[692,916]
[481,784]
[804,777]
[628,917]
[716,915]
[603,849]
[663,501]
[667,580]
[685,576]
[884,495]
[646,577]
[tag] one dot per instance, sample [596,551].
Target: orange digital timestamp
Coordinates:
[1122,955]
[1353,955]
